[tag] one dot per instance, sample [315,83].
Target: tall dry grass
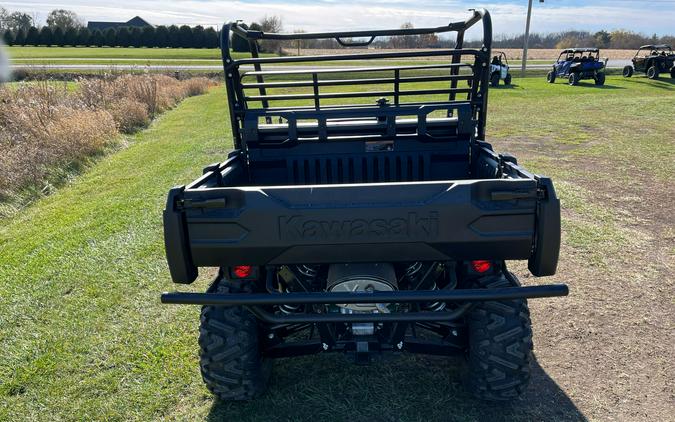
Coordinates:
[46,127]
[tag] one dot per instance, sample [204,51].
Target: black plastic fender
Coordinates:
[544,259]
[175,240]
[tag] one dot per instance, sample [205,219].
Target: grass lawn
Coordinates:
[84,337]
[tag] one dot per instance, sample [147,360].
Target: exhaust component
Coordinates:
[361,278]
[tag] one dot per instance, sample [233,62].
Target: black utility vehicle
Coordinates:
[652,60]
[576,64]
[362,212]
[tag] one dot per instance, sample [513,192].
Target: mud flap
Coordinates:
[544,258]
[175,241]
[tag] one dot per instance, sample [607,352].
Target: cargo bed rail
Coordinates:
[264,96]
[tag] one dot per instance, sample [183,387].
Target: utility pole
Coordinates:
[523,62]
[527,37]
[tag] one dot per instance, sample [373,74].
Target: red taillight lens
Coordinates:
[481,266]
[242,271]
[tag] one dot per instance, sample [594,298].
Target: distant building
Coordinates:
[136,21]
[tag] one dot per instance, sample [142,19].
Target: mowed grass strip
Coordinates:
[83,334]
[81,328]
[26,52]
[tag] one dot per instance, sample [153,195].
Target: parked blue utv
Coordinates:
[576,64]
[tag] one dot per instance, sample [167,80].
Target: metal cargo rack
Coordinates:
[384,94]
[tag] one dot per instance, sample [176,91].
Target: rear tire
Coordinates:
[653,72]
[574,79]
[672,73]
[550,77]
[494,79]
[600,79]
[230,360]
[500,344]
[627,71]
[507,79]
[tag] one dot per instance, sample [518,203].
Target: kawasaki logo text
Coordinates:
[298,227]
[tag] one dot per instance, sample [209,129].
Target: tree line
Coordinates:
[124,36]
[617,39]
[65,28]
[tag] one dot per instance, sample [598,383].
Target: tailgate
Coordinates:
[411,221]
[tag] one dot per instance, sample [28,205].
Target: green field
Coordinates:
[84,337]
[36,56]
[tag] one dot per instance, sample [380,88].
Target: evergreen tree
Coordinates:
[211,38]
[8,37]
[20,38]
[123,38]
[198,37]
[161,36]
[174,37]
[46,36]
[148,37]
[185,36]
[70,36]
[97,38]
[136,34]
[57,37]
[32,36]
[110,36]
[602,39]
[84,37]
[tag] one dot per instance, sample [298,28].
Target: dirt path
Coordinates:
[610,346]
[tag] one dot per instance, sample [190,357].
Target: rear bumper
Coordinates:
[465,297]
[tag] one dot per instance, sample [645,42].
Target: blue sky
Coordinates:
[648,16]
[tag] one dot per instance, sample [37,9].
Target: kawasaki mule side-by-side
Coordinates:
[362,211]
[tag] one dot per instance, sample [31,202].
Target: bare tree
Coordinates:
[64,19]
[428,40]
[405,41]
[626,39]
[271,24]
[16,21]
[3,17]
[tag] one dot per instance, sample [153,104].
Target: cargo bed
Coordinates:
[498,211]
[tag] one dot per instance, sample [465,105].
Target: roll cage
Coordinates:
[578,54]
[499,58]
[653,50]
[318,113]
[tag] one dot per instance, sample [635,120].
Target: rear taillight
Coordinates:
[244,272]
[481,266]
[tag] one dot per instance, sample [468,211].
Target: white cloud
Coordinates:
[347,14]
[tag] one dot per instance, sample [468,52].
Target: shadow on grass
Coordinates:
[409,388]
[502,86]
[602,87]
[662,82]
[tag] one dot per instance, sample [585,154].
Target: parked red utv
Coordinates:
[363,212]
